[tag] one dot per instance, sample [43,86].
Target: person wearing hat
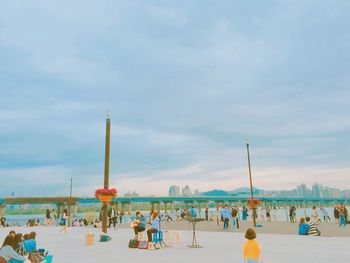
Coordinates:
[252,249]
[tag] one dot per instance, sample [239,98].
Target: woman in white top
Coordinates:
[7,252]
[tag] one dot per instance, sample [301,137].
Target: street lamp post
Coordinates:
[70,202]
[251,184]
[106,173]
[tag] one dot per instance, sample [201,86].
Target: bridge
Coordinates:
[168,202]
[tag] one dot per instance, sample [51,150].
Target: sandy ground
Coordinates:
[217,247]
[284,228]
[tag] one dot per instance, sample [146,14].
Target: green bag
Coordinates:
[133,243]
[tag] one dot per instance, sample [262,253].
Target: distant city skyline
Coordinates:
[301,191]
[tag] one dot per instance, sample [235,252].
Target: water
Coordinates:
[281,215]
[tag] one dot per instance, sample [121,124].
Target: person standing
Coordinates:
[244,213]
[112,216]
[325,215]
[193,211]
[274,213]
[291,217]
[315,216]
[234,219]
[345,213]
[48,217]
[252,248]
[294,214]
[121,215]
[342,217]
[207,214]
[336,214]
[226,216]
[268,214]
[54,216]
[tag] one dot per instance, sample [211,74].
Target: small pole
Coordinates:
[70,202]
[251,184]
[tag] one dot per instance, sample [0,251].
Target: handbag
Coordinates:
[34,257]
[143,245]
[133,243]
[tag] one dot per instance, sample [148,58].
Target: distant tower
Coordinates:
[186,191]
[174,191]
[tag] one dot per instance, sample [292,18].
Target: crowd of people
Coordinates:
[19,248]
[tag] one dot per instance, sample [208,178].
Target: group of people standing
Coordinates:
[341,215]
[229,214]
[50,217]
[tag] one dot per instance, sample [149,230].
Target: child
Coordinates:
[252,248]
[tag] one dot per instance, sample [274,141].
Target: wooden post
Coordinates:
[251,184]
[106,174]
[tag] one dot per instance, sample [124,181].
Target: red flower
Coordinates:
[112,192]
[254,201]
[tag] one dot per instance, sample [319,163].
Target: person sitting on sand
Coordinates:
[303,227]
[17,240]
[30,243]
[312,231]
[97,224]
[252,249]
[7,251]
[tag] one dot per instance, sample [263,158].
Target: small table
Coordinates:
[193,221]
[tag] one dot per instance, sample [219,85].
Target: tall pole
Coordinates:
[106,173]
[70,202]
[251,184]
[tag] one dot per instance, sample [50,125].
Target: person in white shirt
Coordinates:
[7,252]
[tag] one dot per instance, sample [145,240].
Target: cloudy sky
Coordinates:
[186,82]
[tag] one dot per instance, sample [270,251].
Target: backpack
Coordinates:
[133,243]
[234,212]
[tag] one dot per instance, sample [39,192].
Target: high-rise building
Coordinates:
[302,191]
[196,192]
[174,190]
[186,191]
[316,190]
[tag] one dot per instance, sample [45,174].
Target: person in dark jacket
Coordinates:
[336,214]
[112,216]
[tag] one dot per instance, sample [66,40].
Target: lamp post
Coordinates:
[70,202]
[106,173]
[251,184]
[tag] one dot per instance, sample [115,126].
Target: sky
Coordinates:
[186,83]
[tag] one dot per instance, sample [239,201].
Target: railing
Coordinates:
[57,200]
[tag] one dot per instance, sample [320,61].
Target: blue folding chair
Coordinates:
[158,239]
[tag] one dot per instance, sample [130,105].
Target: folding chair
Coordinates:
[158,239]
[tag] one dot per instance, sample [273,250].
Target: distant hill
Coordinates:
[235,192]
[215,193]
